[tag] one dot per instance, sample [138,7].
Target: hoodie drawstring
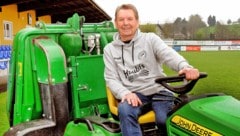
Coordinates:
[123,57]
[123,61]
[133,52]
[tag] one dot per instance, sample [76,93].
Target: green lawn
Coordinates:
[223,76]
[222,68]
[3,121]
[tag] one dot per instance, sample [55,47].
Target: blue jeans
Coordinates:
[128,115]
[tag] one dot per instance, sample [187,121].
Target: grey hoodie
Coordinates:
[134,66]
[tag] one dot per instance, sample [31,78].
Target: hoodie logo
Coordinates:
[117,58]
[137,71]
[142,55]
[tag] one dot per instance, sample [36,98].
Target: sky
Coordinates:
[162,11]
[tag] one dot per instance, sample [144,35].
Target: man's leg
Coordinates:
[128,116]
[161,108]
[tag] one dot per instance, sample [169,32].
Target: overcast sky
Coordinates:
[162,11]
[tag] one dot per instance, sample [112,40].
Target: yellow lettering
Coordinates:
[193,127]
[19,68]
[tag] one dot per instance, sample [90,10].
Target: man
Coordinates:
[133,61]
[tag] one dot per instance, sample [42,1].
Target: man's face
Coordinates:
[126,23]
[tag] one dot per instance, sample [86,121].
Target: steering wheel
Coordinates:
[179,89]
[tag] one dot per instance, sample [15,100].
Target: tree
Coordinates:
[184,27]
[177,25]
[238,20]
[221,31]
[148,28]
[229,22]
[167,30]
[195,22]
[211,20]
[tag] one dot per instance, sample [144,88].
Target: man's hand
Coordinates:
[132,99]
[190,73]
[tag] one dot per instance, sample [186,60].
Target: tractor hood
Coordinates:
[217,115]
[225,109]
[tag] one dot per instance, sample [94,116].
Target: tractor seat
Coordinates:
[148,117]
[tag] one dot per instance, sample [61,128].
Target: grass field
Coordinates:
[3,121]
[223,76]
[222,68]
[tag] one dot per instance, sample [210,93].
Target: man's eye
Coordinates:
[120,19]
[130,19]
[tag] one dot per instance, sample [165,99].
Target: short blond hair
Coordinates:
[127,6]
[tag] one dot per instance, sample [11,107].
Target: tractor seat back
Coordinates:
[148,117]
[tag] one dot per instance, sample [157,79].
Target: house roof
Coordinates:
[60,10]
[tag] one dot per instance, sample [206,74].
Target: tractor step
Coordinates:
[150,129]
[26,128]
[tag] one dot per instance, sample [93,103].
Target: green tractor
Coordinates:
[56,88]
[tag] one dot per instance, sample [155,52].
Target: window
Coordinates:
[8,34]
[29,18]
